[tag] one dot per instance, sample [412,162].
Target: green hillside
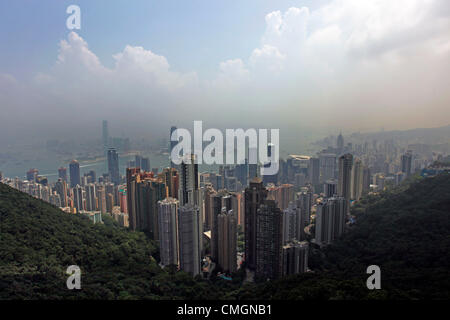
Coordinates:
[38,242]
[406,232]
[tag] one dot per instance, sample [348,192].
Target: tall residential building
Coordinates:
[330,220]
[327,162]
[32,174]
[366,180]
[74,171]
[171,179]
[357,180]
[190,233]
[144,190]
[254,196]
[227,240]
[168,231]
[330,188]
[290,222]
[113,166]
[189,181]
[91,197]
[62,174]
[295,257]
[340,142]
[269,241]
[406,160]
[61,190]
[78,198]
[345,177]
[304,204]
[314,171]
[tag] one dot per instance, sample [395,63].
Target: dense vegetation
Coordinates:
[404,231]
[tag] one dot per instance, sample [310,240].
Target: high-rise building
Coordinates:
[330,188]
[366,180]
[340,143]
[168,231]
[290,222]
[145,164]
[227,240]
[62,174]
[406,160]
[189,181]
[190,233]
[327,162]
[113,166]
[269,241]
[91,197]
[78,198]
[357,180]
[314,171]
[216,206]
[171,179]
[144,190]
[74,171]
[304,202]
[61,190]
[330,220]
[32,174]
[345,177]
[295,257]
[254,195]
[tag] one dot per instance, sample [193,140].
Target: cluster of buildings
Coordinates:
[195,215]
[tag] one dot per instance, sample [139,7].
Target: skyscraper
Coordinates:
[340,143]
[113,166]
[74,171]
[327,162]
[143,193]
[62,173]
[168,231]
[295,257]
[61,190]
[190,232]
[227,240]
[330,220]
[357,180]
[345,177]
[189,181]
[314,171]
[406,160]
[269,241]
[255,194]
[330,188]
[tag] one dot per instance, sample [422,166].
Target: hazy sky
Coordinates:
[293,65]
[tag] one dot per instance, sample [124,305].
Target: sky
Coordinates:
[300,66]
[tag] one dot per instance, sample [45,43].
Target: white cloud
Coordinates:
[351,62]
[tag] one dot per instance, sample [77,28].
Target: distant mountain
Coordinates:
[438,138]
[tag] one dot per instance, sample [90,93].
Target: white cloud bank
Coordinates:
[358,64]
